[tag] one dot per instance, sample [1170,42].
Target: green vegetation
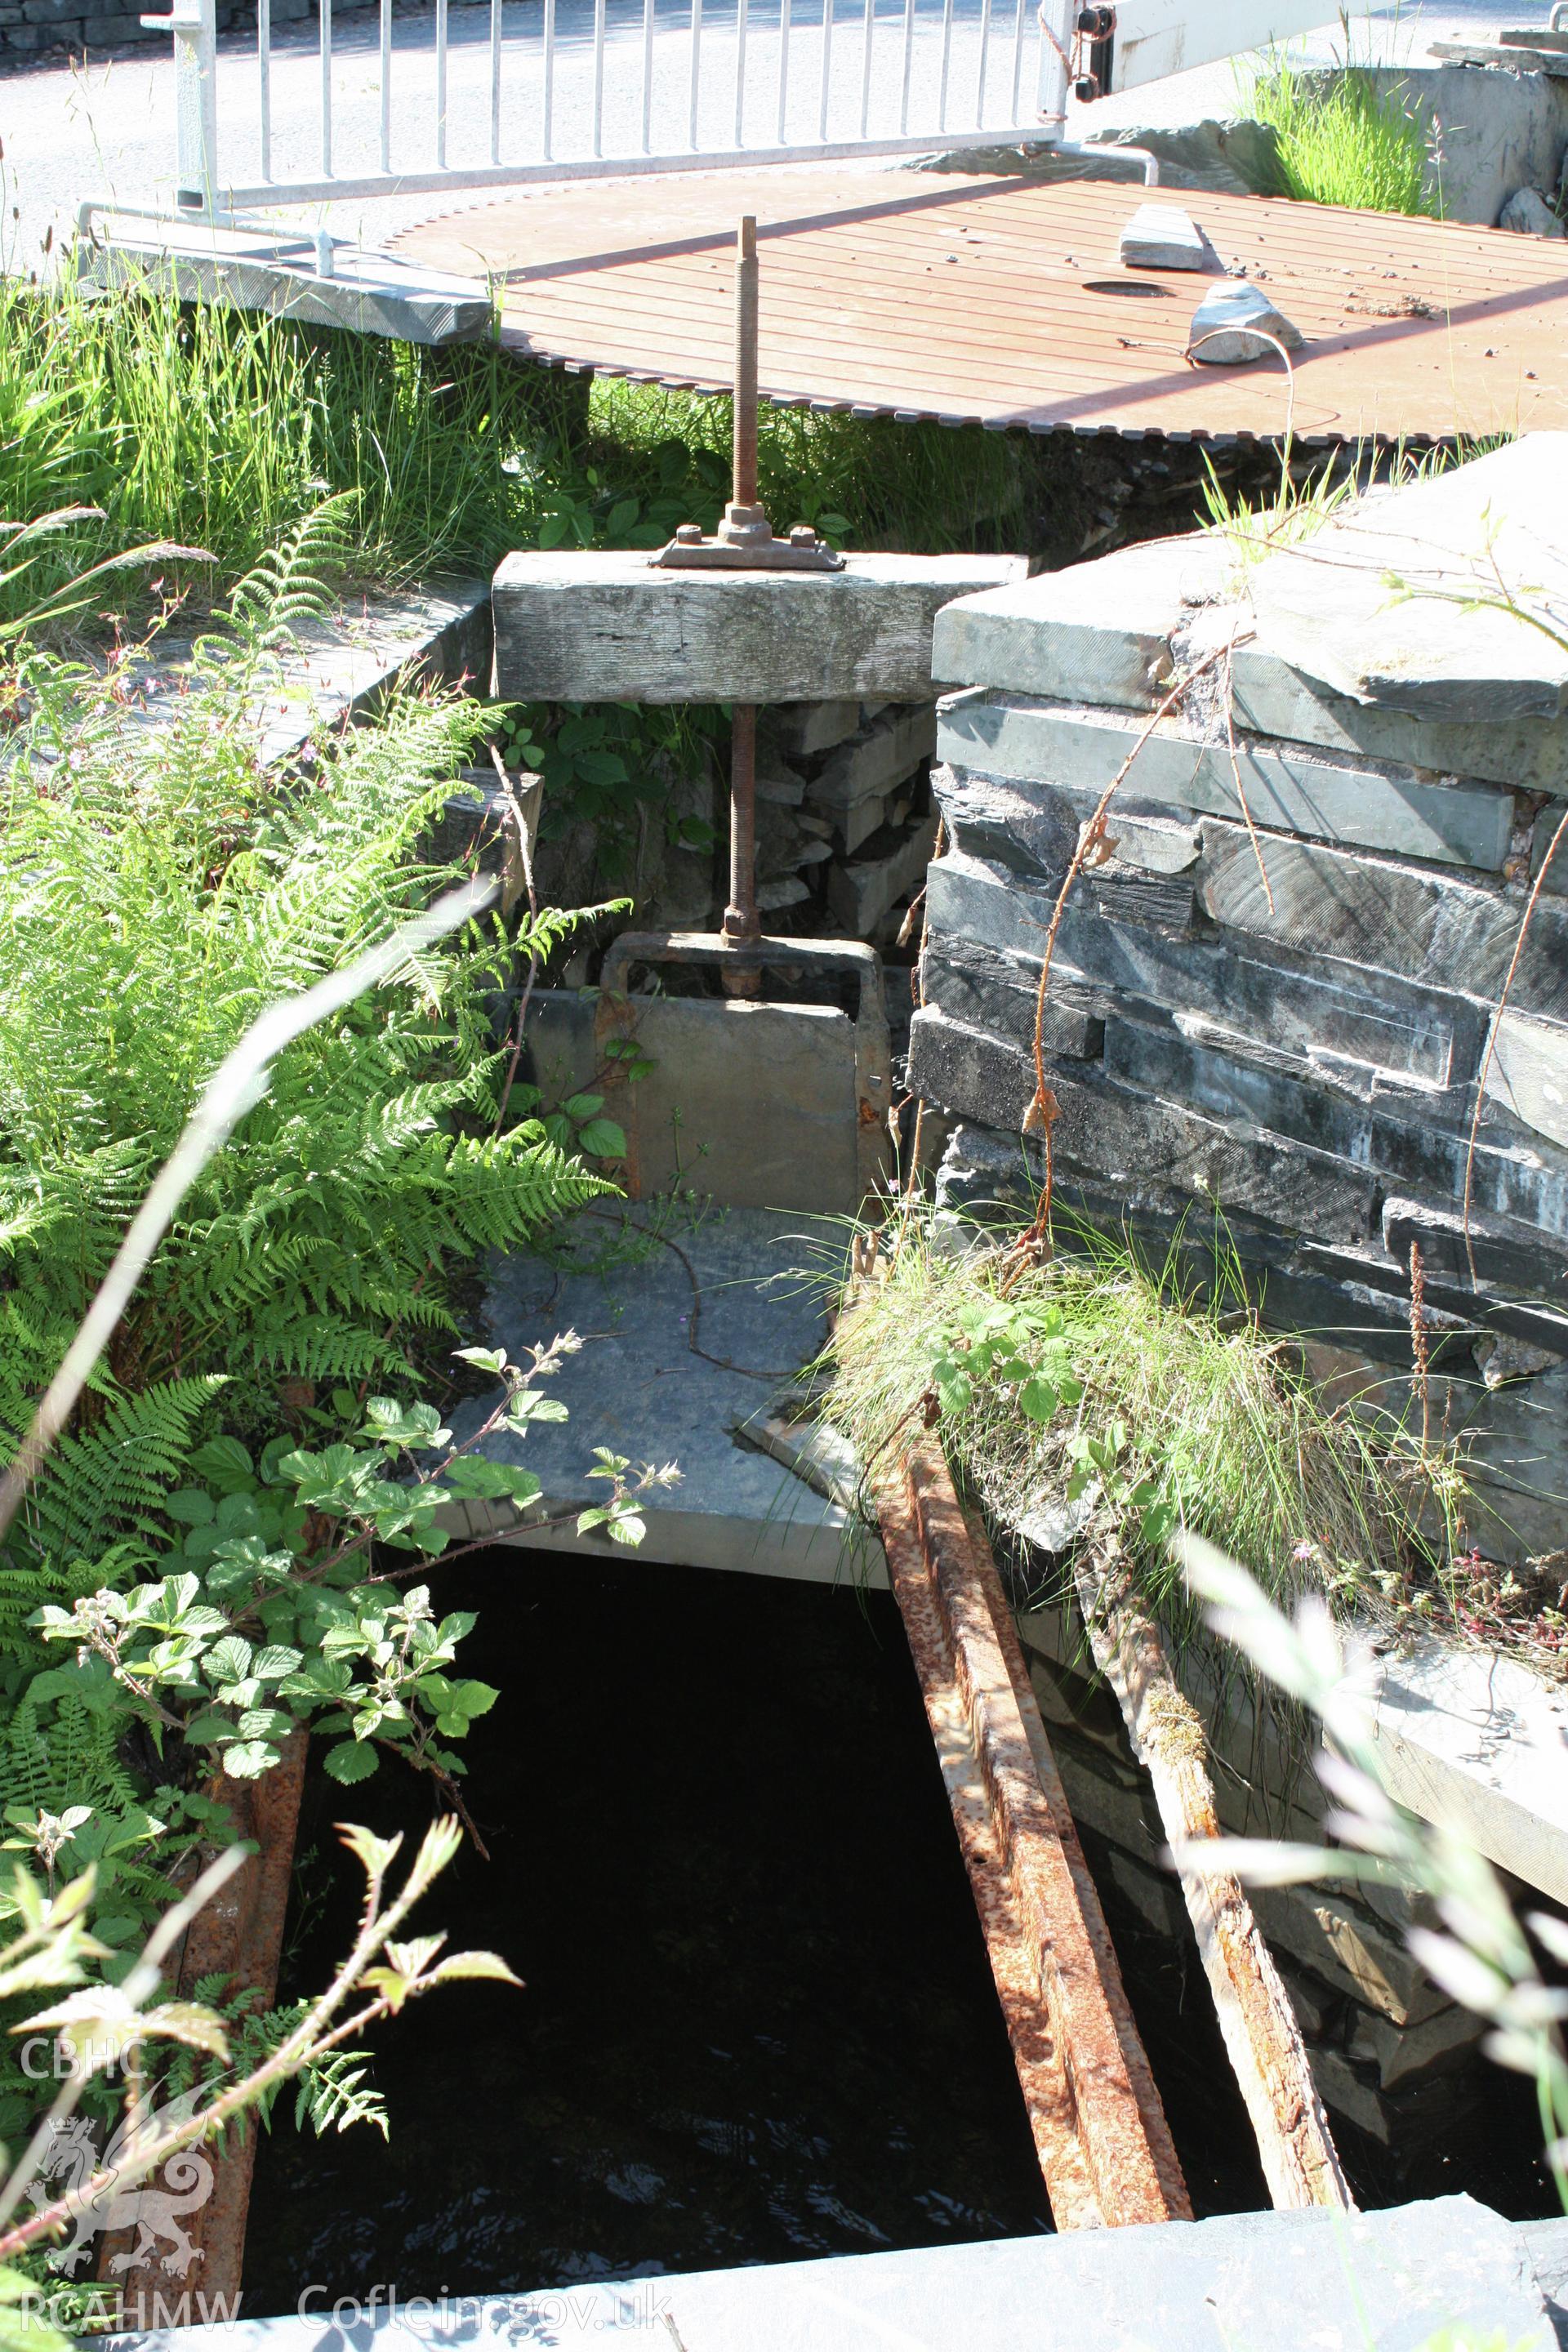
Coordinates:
[153,900]
[1341,140]
[221,430]
[924,487]
[1096,1376]
[217,432]
[233,1538]
[216,2065]
[610,765]
[1308,494]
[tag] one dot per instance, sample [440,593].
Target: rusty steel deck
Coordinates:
[1002,302]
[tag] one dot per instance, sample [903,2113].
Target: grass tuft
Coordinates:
[1342,140]
[1197,1412]
[226,428]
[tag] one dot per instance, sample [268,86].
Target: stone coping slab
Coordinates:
[1113,630]
[606,625]
[339,664]
[1381,604]
[691,1323]
[1474,1738]
[1394,2280]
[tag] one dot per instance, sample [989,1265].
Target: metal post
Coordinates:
[742,922]
[264,69]
[326,47]
[1055,52]
[495,78]
[194,23]
[440,80]
[744,492]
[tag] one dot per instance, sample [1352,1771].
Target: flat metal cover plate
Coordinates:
[973,299]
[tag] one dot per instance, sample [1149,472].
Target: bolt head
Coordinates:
[688,534]
[802,535]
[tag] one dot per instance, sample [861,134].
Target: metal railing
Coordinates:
[476,96]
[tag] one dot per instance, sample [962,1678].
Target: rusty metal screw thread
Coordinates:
[742,923]
[746,318]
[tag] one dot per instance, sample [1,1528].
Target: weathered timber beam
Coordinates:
[238,1935]
[1104,2146]
[1262,2038]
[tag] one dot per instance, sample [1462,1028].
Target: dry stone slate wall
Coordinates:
[1277,991]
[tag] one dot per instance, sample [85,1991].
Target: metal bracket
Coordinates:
[745,541]
[1094,52]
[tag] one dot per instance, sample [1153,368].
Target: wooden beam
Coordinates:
[1262,2038]
[1104,2146]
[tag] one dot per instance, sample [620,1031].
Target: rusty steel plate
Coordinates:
[1002,302]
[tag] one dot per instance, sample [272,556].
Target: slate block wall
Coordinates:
[35,32]
[1288,1018]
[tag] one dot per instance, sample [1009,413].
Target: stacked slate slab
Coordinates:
[840,663]
[1277,991]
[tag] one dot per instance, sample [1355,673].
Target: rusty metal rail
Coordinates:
[1258,2025]
[1099,2129]
[238,1935]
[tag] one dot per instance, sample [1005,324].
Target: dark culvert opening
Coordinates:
[758,2023]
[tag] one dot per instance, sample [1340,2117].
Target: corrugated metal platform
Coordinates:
[1002,302]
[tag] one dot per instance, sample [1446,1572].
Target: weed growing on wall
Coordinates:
[1095,1380]
[610,764]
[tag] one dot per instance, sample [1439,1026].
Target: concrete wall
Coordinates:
[1489,132]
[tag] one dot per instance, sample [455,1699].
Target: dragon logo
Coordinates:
[154,2209]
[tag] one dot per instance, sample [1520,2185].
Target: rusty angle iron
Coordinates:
[237,1935]
[1101,2135]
